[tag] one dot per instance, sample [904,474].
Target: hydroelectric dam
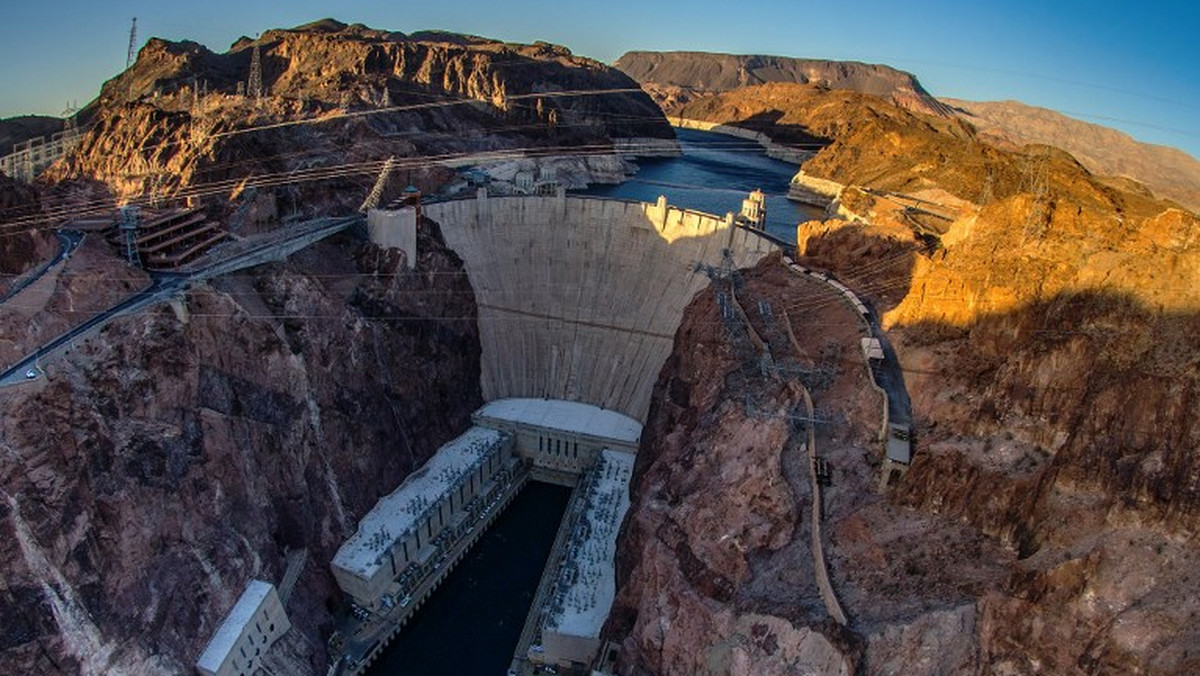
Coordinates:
[578,303]
[579,298]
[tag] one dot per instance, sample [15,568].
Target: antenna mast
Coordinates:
[132,55]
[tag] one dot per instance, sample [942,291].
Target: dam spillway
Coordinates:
[579,298]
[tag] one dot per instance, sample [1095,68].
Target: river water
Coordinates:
[714,175]
[471,624]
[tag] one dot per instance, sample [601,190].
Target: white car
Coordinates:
[31,374]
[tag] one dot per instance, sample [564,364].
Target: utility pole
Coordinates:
[132,55]
[254,86]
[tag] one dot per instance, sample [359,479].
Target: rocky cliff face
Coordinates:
[1047,330]
[179,122]
[183,451]
[717,573]
[678,77]
[715,566]
[21,246]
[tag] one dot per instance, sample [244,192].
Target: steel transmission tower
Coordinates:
[132,55]
[254,86]
[129,230]
[376,194]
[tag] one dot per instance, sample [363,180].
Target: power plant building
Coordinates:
[585,588]
[560,435]
[252,626]
[409,527]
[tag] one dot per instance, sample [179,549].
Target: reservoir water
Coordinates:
[714,175]
[471,624]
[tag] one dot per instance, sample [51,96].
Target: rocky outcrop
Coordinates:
[24,245]
[1052,363]
[716,570]
[179,122]
[678,77]
[712,502]
[177,454]
[1169,172]
[1045,324]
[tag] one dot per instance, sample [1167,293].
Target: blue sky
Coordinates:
[1134,69]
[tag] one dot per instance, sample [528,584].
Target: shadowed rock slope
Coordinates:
[23,246]
[176,455]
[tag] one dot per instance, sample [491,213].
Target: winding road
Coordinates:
[168,284]
[68,241]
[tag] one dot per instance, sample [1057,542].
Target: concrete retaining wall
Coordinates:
[579,298]
[812,190]
[773,149]
[395,229]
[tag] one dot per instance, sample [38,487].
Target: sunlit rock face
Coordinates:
[335,95]
[1049,339]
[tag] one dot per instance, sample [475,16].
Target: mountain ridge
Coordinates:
[1169,171]
[687,74]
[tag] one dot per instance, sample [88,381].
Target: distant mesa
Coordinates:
[682,75]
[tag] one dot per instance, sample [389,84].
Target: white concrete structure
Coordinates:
[789,154]
[579,298]
[872,349]
[586,586]
[754,209]
[560,435]
[523,180]
[256,621]
[403,528]
[396,229]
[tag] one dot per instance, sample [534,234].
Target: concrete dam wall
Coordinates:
[579,298]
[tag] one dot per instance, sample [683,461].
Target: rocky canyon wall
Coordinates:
[181,452]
